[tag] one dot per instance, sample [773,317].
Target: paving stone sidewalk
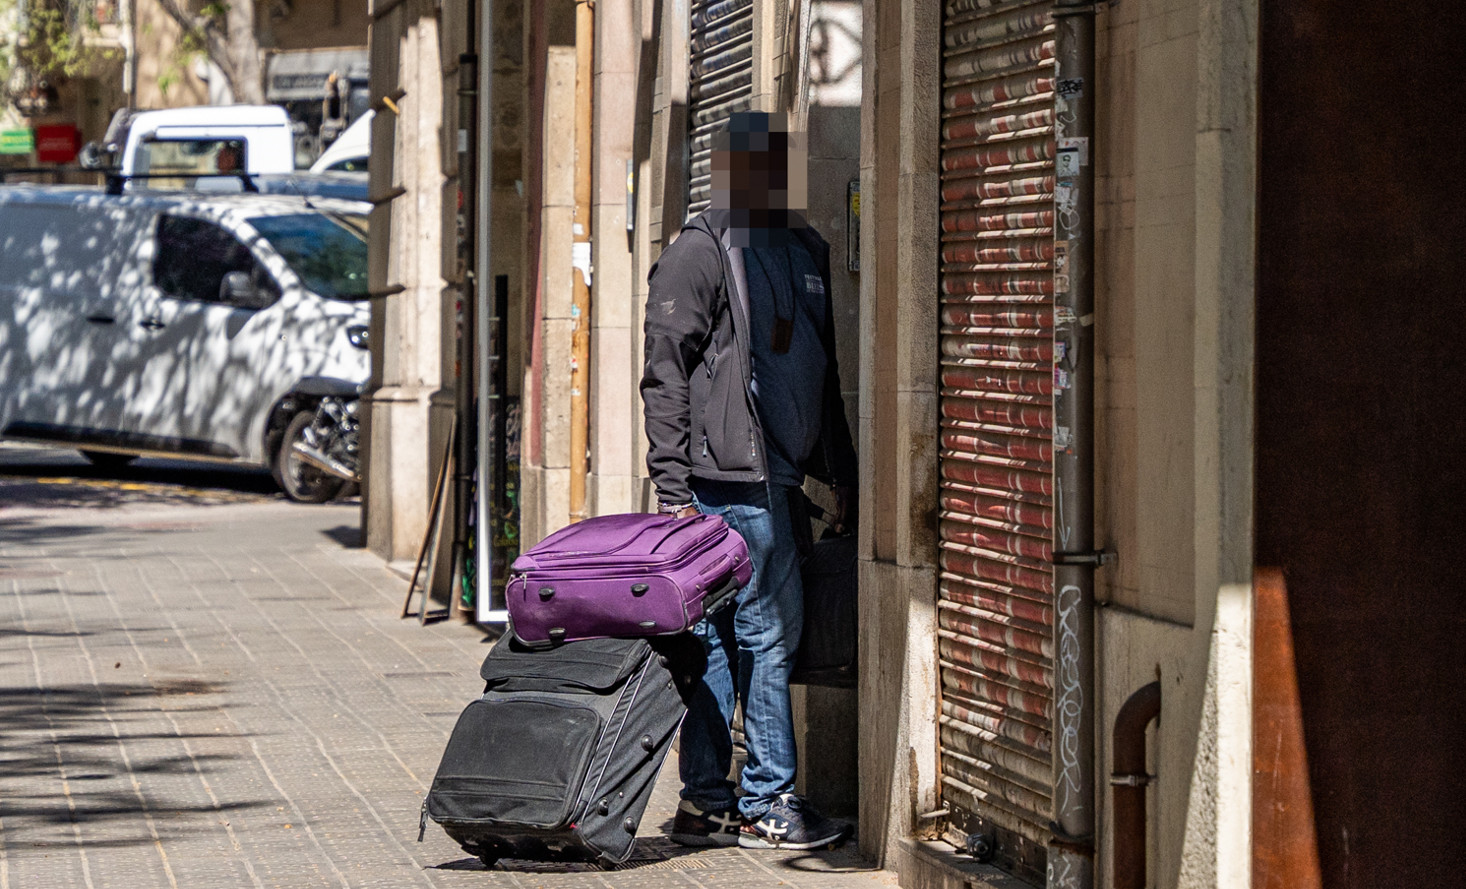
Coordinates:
[220,695]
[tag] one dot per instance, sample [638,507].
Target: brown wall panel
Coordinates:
[1361,387]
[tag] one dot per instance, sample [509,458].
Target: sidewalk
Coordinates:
[222,695]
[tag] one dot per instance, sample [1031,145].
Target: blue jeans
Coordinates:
[751,646]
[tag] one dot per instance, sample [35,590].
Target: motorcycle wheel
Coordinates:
[299,480]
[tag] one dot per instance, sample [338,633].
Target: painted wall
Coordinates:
[1174,304]
[166,79]
[308,24]
[406,252]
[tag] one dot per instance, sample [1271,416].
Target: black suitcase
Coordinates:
[558,758]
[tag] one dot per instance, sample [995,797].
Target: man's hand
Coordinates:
[844,513]
[677,510]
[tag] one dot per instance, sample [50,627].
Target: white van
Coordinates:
[204,139]
[193,325]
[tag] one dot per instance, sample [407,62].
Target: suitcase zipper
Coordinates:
[552,573]
[422,821]
[669,529]
[592,786]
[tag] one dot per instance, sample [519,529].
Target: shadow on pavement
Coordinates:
[657,853]
[348,536]
[52,478]
[26,532]
[62,766]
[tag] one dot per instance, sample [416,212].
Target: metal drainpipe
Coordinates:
[1071,847]
[465,434]
[1129,780]
[580,260]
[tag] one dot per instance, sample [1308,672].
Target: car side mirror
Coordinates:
[90,156]
[238,289]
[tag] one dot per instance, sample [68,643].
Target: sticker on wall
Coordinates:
[1061,378]
[1066,163]
[1063,438]
[1061,262]
[1064,316]
[1072,155]
[1069,88]
[1079,144]
[1066,198]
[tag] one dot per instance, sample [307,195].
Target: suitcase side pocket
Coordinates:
[515,762]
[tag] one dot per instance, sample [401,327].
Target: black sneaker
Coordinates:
[692,826]
[792,823]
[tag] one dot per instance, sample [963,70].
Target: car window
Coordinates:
[191,156]
[328,251]
[194,255]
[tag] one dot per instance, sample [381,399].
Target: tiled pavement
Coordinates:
[219,693]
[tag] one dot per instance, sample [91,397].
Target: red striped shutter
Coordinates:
[996,594]
[720,82]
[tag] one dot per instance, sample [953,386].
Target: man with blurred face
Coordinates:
[742,400]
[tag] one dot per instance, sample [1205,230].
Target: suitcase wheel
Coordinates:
[532,849]
[489,853]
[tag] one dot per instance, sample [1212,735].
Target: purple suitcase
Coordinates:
[625,575]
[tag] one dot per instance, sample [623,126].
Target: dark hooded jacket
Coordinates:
[697,383]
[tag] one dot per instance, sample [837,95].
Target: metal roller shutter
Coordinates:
[997,374]
[720,82]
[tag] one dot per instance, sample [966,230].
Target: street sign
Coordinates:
[57,143]
[16,142]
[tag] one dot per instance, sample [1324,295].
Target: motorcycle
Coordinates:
[320,447]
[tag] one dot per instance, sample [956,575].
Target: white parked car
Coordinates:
[350,151]
[194,325]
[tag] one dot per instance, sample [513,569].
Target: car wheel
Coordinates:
[302,482]
[107,459]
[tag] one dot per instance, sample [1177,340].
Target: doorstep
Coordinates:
[932,864]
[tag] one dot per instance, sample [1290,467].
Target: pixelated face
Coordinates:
[758,165]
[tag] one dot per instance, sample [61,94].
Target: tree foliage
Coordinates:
[46,40]
[224,33]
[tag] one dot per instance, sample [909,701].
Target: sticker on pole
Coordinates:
[1072,155]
